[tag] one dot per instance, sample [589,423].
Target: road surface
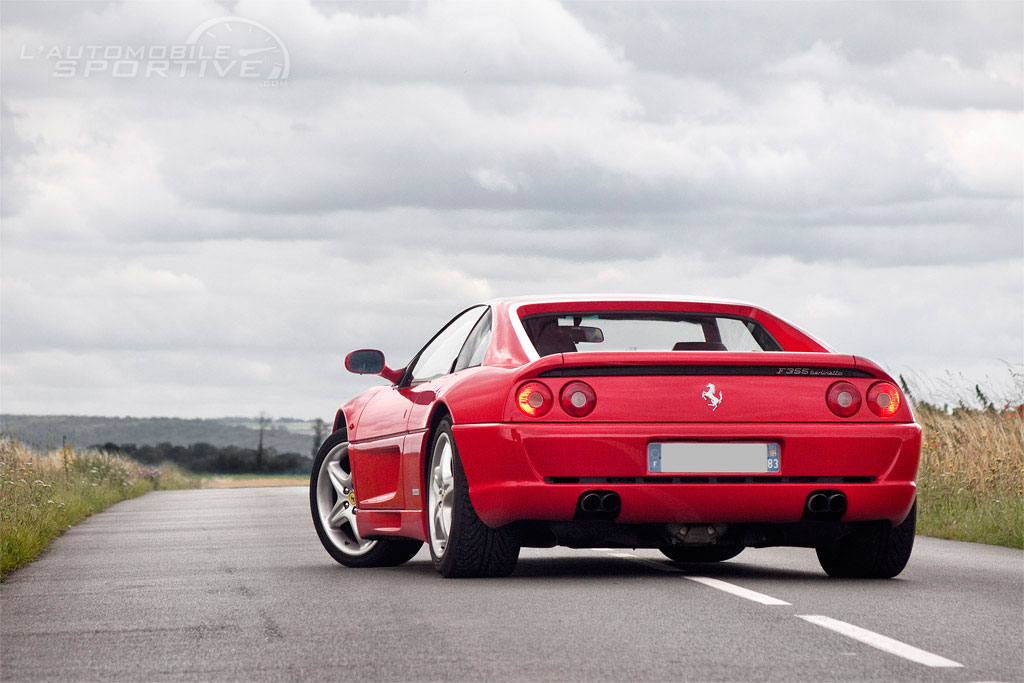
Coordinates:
[232,584]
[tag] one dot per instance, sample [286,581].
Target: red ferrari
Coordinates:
[696,427]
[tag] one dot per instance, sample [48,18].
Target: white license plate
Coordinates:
[688,457]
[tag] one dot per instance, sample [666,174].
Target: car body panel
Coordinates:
[520,479]
[522,468]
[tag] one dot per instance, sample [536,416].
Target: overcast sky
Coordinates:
[206,245]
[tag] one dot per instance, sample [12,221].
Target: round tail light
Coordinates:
[534,399]
[843,399]
[578,399]
[884,399]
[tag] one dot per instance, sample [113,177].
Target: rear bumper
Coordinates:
[538,471]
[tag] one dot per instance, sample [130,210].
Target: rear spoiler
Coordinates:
[687,363]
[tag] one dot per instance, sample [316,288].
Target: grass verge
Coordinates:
[44,494]
[971,478]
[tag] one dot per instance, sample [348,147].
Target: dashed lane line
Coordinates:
[863,635]
[725,586]
[881,642]
[737,590]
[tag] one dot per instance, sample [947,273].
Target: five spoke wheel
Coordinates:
[336,503]
[332,500]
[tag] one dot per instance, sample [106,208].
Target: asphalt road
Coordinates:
[232,584]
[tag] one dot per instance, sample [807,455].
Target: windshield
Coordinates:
[645,331]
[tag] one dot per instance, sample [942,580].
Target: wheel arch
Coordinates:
[340,421]
[439,412]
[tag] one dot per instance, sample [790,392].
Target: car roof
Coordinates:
[575,298]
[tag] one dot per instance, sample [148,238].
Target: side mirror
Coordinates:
[371,362]
[365,362]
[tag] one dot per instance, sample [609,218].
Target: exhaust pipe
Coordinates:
[819,502]
[826,505]
[598,505]
[591,502]
[611,503]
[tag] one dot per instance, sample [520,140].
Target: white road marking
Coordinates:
[707,581]
[737,590]
[643,560]
[881,642]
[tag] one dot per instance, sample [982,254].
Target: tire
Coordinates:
[708,553]
[461,545]
[876,553]
[342,541]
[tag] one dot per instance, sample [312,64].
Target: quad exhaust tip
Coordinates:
[826,504]
[600,504]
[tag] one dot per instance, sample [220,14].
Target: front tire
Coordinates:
[877,553]
[332,500]
[461,545]
[710,553]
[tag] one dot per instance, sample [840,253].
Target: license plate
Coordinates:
[679,457]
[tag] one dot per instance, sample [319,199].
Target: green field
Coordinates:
[225,481]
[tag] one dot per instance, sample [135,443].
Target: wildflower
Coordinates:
[51,502]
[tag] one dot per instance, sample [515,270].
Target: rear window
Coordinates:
[645,331]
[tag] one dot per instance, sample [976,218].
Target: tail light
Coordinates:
[578,399]
[534,399]
[884,399]
[843,399]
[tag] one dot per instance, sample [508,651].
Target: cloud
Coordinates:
[186,245]
[136,280]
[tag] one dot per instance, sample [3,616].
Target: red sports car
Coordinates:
[697,427]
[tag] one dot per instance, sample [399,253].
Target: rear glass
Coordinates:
[645,331]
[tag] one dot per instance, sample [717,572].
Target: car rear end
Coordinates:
[750,447]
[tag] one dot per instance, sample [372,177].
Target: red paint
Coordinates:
[509,456]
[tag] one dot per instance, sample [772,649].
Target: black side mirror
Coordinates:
[365,362]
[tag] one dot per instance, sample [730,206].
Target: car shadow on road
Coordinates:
[597,567]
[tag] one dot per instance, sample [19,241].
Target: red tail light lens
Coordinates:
[884,399]
[578,399]
[534,399]
[843,399]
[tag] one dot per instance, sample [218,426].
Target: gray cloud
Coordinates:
[211,246]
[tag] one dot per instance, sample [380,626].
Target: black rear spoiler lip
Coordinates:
[627,370]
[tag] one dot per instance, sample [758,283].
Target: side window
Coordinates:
[476,346]
[437,357]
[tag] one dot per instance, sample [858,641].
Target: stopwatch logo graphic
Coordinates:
[250,49]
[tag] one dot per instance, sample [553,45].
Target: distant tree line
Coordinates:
[207,458]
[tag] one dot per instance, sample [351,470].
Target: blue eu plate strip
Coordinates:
[654,457]
[774,461]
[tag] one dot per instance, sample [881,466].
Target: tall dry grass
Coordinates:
[43,494]
[971,478]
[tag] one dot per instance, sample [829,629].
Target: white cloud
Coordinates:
[198,246]
[136,280]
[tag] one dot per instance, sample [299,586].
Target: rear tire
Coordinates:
[334,517]
[461,545]
[710,553]
[877,553]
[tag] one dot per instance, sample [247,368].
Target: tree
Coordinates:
[264,421]
[319,428]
